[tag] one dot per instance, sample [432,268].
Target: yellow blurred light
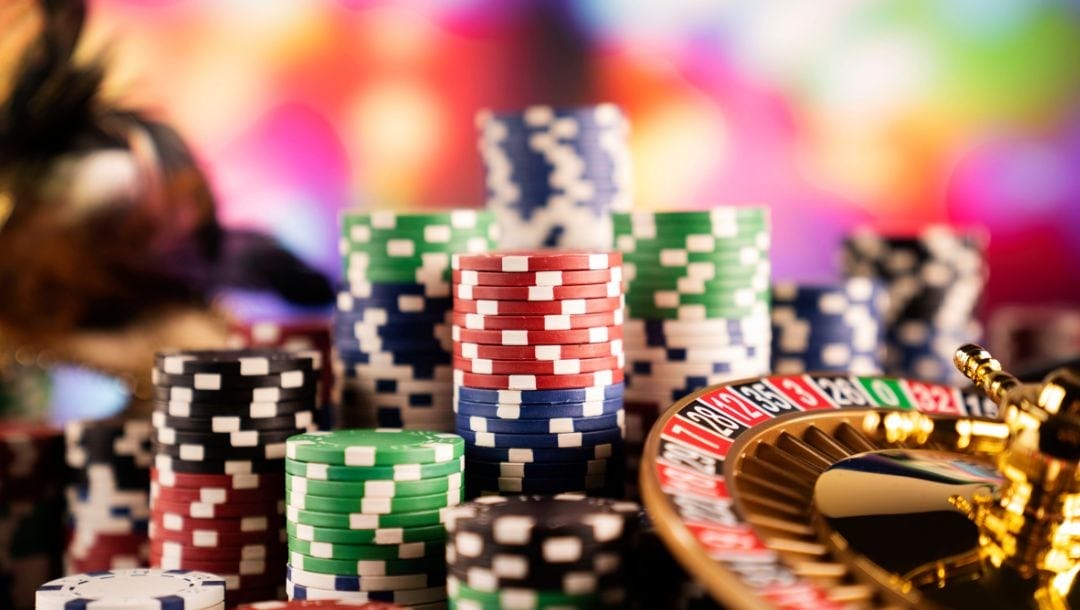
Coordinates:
[678,146]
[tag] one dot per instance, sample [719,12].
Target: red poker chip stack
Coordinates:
[538,371]
[217,487]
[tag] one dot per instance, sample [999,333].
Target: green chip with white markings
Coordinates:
[375,488]
[393,535]
[373,506]
[375,447]
[361,559]
[400,472]
[361,521]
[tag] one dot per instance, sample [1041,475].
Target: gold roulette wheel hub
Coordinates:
[837,491]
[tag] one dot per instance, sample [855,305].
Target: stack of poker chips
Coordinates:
[697,304]
[108,498]
[828,327]
[221,419]
[391,333]
[365,514]
[554,176]
[31,510]
[566,551]
[538,371]
[139,589]
[934,281]
[294,336]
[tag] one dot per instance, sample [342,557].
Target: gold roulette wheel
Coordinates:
[833,491]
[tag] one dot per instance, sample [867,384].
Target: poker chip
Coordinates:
[392,316]
[133,589]
[526,455]
[828,328]
[220,424]
[536,278]
[108,504]
[540,550]
[491,470]
[553,177]
[414,598]
[550,425]
[934,282]
[542,412]
[606,436]
[599,334]
[539,397]
[365,510]
[476,321]
[537,260]
[539,382]
[538,308]
[537,293]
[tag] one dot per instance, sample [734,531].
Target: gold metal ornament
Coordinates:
[833,491]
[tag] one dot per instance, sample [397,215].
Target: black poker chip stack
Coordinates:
[569,551]
[221,418]
[108,493]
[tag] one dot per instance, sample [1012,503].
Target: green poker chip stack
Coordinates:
[697,305]
[365,510]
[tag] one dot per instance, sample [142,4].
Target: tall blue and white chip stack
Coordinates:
[697,303]
[538,371]
[935,281]
[555,175]
[391,329]
[828,327]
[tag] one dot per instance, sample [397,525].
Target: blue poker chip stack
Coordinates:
[391,333]
[934,281]
[555,175]
[107,497]
[828,327]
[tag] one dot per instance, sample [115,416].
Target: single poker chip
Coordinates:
[545,471]
[249,412]
[373,506]
[543,441]
[413,598]
[539,412]
[519,598]
[399,472]
[201,510]
[223,440]
[134,590]
[527,455]
[252,551]
[377,447]
[542,367]
[234,423]
[539,397]
[476,321]
[232,397]
[536,278]
[539,382]
[374,559]
[361,521]
[392,536]
[538,308]
[212,538]
[214,495]
[536,260]
[263,572]
[255,524]
[170,464]
[613,482]
[242,362]
[433,577]
[553,425]
[194,452]
[319,572]
[599,334]
[374,488]
[538,352]
[298,378]
[232,482]
[538,293]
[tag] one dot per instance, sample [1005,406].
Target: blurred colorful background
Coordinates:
[836,113]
